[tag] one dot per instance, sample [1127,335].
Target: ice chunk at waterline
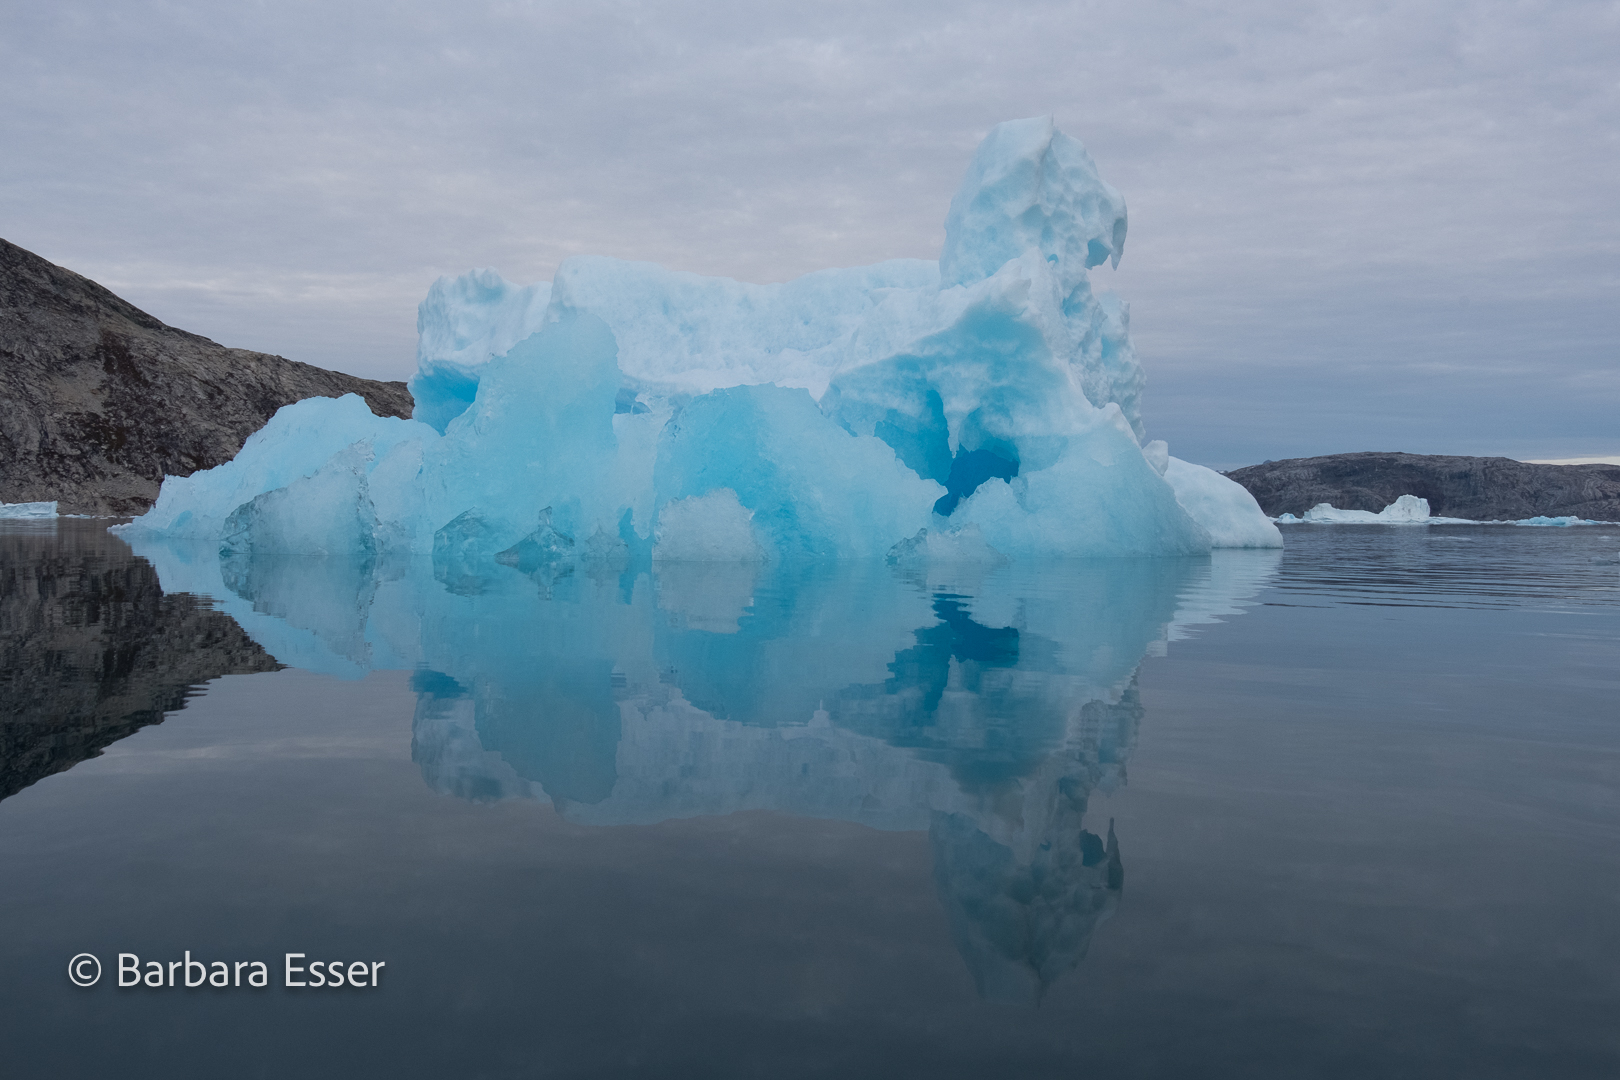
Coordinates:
[1406,510]
[27,511]
[982,407]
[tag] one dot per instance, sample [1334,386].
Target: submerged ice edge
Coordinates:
[983,407]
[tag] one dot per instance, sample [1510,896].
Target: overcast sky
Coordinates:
[1353,226]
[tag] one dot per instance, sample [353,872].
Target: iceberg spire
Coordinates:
[1031,188]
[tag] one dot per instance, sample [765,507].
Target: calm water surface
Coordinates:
[1350,810]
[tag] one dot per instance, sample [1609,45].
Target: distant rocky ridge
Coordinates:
[1477,488]
[91,650]
[99,400]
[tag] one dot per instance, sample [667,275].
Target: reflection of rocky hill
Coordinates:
[91,650]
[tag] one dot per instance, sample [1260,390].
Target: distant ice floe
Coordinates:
[1556,522]
[1411,510]
[28,511]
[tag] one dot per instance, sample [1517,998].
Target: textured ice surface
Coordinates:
[1406,510]
[318,454]
[1219,504]
[28,511]
[464,323]
[983,407]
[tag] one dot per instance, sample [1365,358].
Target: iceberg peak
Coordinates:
[1032,188]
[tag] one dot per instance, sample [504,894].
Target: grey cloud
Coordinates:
[1380,222]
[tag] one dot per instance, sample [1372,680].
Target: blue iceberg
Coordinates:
[980,408]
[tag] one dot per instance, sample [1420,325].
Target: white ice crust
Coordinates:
[1406,510]
[27,511]
[1411,510]
[982,407]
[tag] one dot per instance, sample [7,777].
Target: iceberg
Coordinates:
[979,408]
[1406,510]
[462,324]
[27,511]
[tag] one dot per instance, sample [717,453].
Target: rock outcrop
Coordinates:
[1478,488]
[99,400]
[91,650]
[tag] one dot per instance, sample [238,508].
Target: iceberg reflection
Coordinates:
[983,705]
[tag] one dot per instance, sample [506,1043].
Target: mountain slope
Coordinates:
[99,400]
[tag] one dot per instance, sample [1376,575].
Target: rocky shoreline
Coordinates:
[1476,488]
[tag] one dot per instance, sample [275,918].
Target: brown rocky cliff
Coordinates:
[99,400]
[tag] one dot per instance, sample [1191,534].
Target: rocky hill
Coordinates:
[1479,488]
[99,400]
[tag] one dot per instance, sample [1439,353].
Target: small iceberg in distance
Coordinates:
[1411,510]
[1559,522]
[978,408]
[1406,510]
[27,511]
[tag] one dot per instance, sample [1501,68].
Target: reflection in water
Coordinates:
[982,705]
[91,650]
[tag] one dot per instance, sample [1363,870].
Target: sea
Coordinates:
[1348,809]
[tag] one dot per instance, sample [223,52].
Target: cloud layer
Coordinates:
[1391,226]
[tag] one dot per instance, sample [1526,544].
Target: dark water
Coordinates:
[1351,811]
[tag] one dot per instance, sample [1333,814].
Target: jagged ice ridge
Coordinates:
[981,407]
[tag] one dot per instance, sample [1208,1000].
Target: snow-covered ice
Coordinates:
[1406,510]
[1409,510]
[982,407]
[27,511]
